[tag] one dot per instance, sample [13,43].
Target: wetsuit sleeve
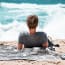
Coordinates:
[44,37]
[21,39]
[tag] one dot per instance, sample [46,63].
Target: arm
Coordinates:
[45,45]
[20,46]
[20,42]
[45,41]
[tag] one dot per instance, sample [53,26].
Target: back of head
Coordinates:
[32,21]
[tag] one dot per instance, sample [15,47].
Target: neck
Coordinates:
[32,31]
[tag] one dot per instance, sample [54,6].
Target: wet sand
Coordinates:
[60,50]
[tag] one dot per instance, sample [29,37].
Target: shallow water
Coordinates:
[11,53]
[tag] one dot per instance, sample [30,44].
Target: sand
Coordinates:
[60,50]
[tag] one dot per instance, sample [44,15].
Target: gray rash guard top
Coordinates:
[35,40]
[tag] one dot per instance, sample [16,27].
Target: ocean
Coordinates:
[13,19]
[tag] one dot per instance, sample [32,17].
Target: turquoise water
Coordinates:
[8,15]
[13,19]
[35,1]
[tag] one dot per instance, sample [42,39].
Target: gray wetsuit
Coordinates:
[35,40]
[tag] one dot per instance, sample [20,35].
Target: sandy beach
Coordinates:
[60,50]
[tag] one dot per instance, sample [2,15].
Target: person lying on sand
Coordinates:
[33,38]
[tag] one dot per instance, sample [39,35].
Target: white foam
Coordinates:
[30,6]
[54,28]
[12,31]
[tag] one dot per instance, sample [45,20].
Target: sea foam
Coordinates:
[55,20]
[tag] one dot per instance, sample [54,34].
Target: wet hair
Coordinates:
[32,21]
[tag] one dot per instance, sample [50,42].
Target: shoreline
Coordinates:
[61,49]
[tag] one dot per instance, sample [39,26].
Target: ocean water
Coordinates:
[13,19]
